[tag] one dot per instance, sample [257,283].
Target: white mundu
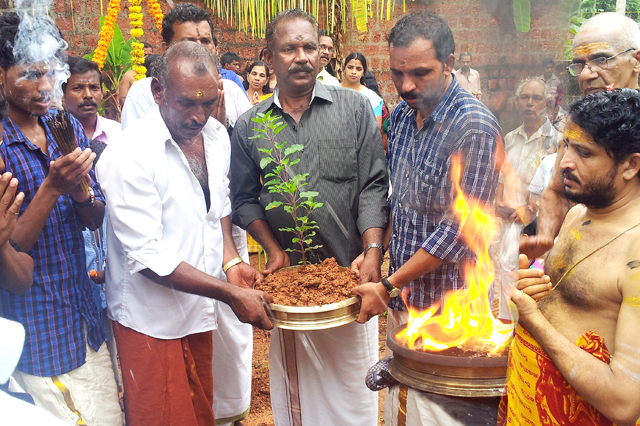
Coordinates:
[312,371]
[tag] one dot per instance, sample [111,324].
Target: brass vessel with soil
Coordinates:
[312,297]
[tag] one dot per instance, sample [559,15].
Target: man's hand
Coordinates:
[10,204]
[66,172]
[532,282]
[276,259]
[356,265]
[374,300]
[220,112]
[528,312]
[248,305]
[535,246]
[244,275]
[369,270]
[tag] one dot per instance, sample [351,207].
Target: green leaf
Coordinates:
[288,209]
[264,162]
[309,194]
[273,205]
[295,240]
[272,182]
[286,229]
[294,162]
[265,150]
[268,175]
[522,15]
[293,148]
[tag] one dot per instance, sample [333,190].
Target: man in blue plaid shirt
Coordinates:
[65,365]
[436,120]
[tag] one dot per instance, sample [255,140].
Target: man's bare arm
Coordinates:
[553,209]
[247,304]
[240,274]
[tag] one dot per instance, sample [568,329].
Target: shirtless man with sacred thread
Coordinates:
[575,358]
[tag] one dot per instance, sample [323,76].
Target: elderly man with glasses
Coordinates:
[606,53]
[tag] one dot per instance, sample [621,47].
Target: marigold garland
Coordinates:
[137,48]
[106,33]
[155,10]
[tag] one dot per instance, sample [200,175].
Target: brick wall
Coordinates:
[484,27]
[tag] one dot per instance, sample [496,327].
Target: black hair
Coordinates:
[264,49]
[548,61]
[194,54]
[325,33]
[265,89]
[427,25]
[9,23]
[4,108]
[150,63]
[359,56]
[287,15]
[465,54]
[80,66]
[371,82]
[146,45]
[228,57]
[612,119]
[185,12]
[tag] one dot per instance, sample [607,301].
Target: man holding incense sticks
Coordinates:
[65,364]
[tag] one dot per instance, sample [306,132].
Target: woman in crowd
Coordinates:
[355,66]
[257,82]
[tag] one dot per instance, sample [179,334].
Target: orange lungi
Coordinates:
[166,382]
[537,394]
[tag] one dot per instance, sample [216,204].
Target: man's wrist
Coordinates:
[230,264]
[88,201]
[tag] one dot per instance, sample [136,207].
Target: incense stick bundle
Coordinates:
[62,131]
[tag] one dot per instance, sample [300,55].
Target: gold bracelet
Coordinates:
[232,262]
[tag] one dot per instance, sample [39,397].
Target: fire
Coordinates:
[466,320]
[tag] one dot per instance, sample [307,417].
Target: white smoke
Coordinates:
[40,42]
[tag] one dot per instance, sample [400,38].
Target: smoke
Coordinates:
[39,41]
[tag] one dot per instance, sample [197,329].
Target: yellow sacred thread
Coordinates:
[634,302]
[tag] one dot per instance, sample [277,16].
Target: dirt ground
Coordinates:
[260,414]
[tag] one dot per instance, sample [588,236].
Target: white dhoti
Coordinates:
[318,377]
[232,354]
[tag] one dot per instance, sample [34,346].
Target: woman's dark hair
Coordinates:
[265,89]
[359,56]
[612,119]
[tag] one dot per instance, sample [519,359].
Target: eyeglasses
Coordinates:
[594,65]
[327,48]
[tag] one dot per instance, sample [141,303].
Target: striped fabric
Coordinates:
[419,163]
[60,301]
[345,161]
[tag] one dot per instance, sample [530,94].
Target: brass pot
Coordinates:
[314,317]
[446,375]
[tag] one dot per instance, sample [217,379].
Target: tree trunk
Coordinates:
[621,6]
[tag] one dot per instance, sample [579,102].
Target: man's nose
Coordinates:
[408,85]
[44,84]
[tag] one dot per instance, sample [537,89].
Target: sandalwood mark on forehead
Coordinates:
[588,49]
[588,222]
[577,134]
[634,264]
[299,37]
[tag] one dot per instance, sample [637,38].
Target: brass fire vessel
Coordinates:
[446,375]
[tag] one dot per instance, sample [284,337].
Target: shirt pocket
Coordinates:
[337,160]
[426,197]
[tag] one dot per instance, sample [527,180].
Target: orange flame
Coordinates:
[466,320]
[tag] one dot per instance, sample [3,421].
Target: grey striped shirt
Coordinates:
[344,158]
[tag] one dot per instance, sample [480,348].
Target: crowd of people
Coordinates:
[124,266]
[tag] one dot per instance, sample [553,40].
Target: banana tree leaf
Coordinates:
[115,48]
[522,15]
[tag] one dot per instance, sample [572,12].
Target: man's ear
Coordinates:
[267,59]
[636,66]
[163,48]
[632,167]
[157,90]
[448,64]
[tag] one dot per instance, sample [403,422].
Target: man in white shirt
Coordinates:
[468,78]
[527,145]
[326,53]
[233,340]
[169,237]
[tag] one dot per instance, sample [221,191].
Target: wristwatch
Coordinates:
[90,202]
[391,289]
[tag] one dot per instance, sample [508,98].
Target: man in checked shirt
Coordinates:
[436,120]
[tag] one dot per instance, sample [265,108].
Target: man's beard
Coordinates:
[595,195]
[464,69]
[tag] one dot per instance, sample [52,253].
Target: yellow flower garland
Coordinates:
[137,48]
[156,12]
[106,33]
